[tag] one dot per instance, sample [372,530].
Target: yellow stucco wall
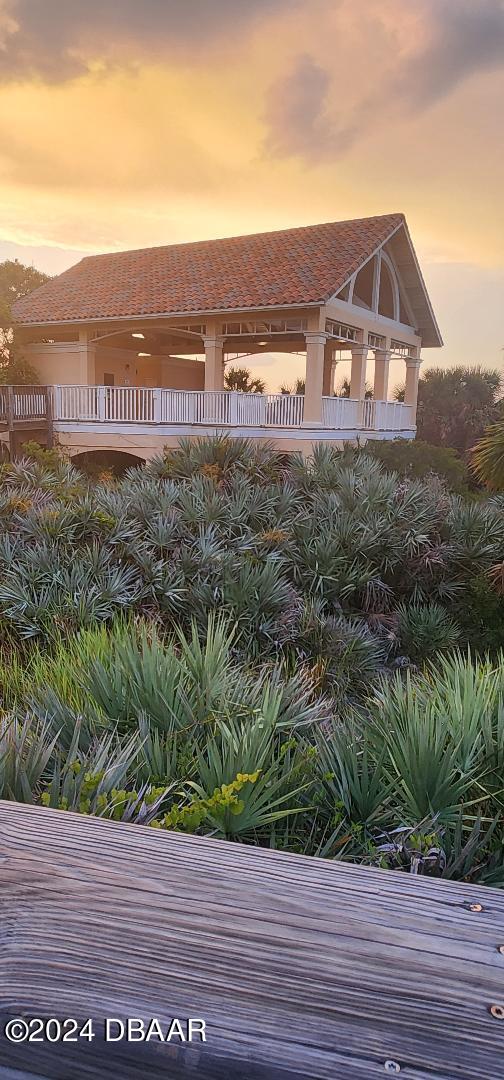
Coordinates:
[177,374]
[121,365]
[129,369]
[74,363]
[70,363]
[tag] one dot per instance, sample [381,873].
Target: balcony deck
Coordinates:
[140,420]
[142,405]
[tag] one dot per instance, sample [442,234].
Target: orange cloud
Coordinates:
[129,124]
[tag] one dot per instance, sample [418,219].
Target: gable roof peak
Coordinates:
[302,266]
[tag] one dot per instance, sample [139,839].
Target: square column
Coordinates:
[214,363]
[411,388]
[381,375]
[329,369]
[87,359]
[358,372]
[315,356]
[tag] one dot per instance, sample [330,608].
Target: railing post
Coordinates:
[10,421]
[233,408]
[165,405]
[101,392]
[49,416]
[156,406]
[10,407]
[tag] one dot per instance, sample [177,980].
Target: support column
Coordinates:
[329,369]
[214,363]
[165,371]
[411,388]
[358,372]
[315,355]
[381,375]
[87,359]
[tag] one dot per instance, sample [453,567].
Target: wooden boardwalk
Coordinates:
[300,967]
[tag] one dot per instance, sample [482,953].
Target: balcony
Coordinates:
[136,418]
[224,409]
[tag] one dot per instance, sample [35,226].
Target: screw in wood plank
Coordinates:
[497,1011]
[475,907]
[500,948]
[392,1066]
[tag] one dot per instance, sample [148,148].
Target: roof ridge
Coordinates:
[243,236]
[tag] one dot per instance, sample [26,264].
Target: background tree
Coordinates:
[455,405]
[487,461]
[298,388]
[16,280]
[418,460]
[343,390]
[240,378]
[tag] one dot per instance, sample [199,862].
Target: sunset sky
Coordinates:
[126,123]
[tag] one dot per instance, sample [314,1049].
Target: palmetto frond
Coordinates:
[488,458]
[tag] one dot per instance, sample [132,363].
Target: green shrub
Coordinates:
[418,460]
[425,630]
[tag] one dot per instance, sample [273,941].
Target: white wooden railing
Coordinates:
[20,403]
[367,412]
[29,402]
[284,410]
[132,404]
[339,412]
[393,416]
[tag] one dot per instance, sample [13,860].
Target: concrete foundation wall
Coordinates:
[149,445]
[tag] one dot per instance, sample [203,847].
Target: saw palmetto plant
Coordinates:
[268,649]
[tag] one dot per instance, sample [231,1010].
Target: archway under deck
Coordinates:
[94,462]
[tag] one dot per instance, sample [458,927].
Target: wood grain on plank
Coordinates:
[301,967]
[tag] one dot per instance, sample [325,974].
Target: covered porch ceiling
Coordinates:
[254,337]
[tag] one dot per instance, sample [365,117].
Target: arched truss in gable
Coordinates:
[388,295]
[376,287]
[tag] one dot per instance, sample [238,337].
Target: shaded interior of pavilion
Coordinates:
[179,359]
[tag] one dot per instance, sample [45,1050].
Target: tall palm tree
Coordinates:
[455,405]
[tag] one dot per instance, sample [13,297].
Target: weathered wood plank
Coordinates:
[300,967]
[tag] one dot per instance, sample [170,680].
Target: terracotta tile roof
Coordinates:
[294,266]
